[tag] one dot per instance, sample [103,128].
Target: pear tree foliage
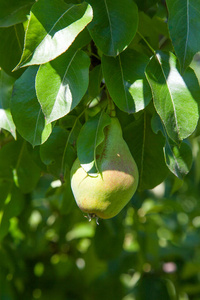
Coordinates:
[71,59]
[66,63]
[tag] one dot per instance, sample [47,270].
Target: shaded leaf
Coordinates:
[26,172]
[190,269]
[174,98]
[126,81]
[6,86]
[114,24]
[52,28]
[91,136]
[6,153]
[13,12]
[11,47]
[177,158]
[152,287]
[147,150]
[157,125]
[112,233]
[184,26]
[176,185]
[145,4]
[17,164]
[6,176]
[67,203]
[5,187]
[10,210]
[61,84]
[67,158]
[53,150]
[95,78]
[152,36]
[26,110]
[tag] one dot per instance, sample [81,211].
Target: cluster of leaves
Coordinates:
[61,65]
[77,55]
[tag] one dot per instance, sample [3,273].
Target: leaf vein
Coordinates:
[187,35]
[64,76]
[110,23]
[122,75]
[36,126]
[47,32]
[173,104]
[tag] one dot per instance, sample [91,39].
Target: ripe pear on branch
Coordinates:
[105,195]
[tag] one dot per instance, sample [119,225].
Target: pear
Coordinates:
[105,195]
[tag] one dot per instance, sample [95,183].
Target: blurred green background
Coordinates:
[151,250]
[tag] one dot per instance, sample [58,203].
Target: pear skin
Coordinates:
[104,196]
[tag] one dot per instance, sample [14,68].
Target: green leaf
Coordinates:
[112,233]
[126,82]
[147,150]
[67,203]
[184,26]
[52,28]
[114,24]
[145,4]
[26,172]
[95,78]
[174,98]
[152,36]
[146,40]
[6,176]
[5,187]
[61,84]
[152,286]
[6,153]
[190,269]
[11,209]
[53,152]
[13,12]
[6,86]
[178,158]
[11,47]
[17,164]
[91,136]
[26,110]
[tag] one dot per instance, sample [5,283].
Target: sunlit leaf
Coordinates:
[91,135]
[175,97]
[26,110]
[61,84]
[126,81]
[6,86]
[52,28]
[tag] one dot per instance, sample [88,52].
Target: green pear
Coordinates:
[105,195]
